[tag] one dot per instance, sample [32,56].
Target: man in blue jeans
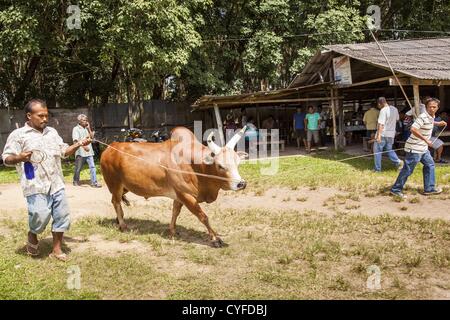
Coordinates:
[84,154]
[416,149]
[384,138]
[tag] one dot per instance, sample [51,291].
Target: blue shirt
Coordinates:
[299,120]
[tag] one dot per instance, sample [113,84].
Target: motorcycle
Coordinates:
[137,135]
[133,135]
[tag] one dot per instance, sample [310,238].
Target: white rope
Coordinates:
[226,179]
[367,155]
[167,168]
[38,156]
[392,70]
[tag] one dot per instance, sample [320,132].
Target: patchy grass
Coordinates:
[9,174]
[414,200]
[269,255]
[325,170]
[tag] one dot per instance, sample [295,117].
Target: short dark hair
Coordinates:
[31,103]
[432,100]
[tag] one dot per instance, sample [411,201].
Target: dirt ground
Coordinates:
[188,256]
[86,201]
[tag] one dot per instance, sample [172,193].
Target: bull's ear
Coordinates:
[208,158]
[242,154]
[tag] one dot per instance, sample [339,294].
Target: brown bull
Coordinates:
[180,168]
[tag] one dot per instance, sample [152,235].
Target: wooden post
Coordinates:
[416,99]
[219,124]
[258,119]
[442,96]
[395,97]
[341,143]
[333,111]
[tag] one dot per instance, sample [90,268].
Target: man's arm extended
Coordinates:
[417,133]
[25,156]
[71,149]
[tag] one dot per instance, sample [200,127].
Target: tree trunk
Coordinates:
[158,91]
[19,97]
[110,86]
[129,99]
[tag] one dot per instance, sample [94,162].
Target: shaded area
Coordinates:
[145,227]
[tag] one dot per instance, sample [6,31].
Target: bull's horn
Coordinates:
[212,145]
[234,140]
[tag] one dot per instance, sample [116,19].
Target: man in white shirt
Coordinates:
[84,154]
[384,138]
[41,179]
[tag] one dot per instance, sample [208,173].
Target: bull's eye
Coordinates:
[221,167]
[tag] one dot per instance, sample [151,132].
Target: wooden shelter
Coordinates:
[347,77]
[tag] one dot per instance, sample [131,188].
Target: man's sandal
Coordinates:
[61,257]
[32,249]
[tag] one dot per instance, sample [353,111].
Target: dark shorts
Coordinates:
[370,132]
[300,133]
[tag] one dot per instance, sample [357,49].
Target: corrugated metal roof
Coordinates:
[261,97]
[427,59]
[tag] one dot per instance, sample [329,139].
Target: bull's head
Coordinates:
[226,160]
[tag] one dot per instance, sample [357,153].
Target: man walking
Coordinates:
[41,176]
[416,149]
[384,138]
[84,154]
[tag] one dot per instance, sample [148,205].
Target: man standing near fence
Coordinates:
[86,153]
[384,138]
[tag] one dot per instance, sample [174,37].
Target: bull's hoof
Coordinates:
[173,235]
[218,243]
[123,227]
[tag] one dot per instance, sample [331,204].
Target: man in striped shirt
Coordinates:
[416,149]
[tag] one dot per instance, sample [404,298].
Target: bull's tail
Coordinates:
[125,200]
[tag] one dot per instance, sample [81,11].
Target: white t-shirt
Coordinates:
[388,117]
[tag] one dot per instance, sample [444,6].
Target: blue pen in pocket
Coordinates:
[29,170]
